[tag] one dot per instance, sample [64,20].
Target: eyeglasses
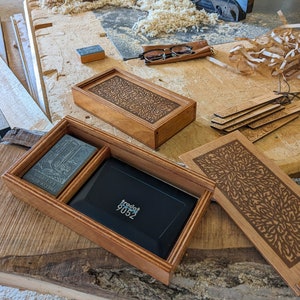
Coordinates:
[157,54]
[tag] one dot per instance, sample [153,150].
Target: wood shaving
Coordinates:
[164,16]
[278,50]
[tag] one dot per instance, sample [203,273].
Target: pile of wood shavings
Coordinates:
[78,6]
[168,16]
[164,16]
[278,50]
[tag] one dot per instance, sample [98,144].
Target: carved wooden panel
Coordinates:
[135,99]
[258,196]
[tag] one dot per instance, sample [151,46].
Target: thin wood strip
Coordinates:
[222,121]
[247,117]
[239,125]
[4,126]
[18,107]
[85,173]
[22,40]
[247,105]
[42,95]
[254,135]
[13,57]
[3,53]
[289,109]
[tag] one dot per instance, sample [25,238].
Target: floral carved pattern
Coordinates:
[270,206]
[137,100]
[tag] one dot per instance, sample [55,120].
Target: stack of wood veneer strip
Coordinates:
[258,117]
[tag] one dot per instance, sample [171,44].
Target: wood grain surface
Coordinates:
[17,105]
[33,244]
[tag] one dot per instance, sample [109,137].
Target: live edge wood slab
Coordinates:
[146,111]
[57,206]
[262,200]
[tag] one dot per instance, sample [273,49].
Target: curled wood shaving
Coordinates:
[278,50]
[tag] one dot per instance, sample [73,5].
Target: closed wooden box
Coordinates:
[147,112]
[108,146]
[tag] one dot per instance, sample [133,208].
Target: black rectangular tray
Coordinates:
[136,205]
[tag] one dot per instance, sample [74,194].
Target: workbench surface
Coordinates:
[25,246]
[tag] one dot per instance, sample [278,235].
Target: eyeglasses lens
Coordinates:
[181,49]
[154,55]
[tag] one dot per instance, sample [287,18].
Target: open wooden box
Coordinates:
[147,112]
[109,146]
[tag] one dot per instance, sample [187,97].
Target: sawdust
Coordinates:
[163,17]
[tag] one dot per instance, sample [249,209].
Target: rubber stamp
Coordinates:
[60,164]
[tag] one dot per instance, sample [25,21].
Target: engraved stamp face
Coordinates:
[137,100]
[60,164]
[270,206]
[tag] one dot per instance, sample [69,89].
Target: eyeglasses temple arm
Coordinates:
[140,56]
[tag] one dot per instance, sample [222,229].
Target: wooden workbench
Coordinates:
[211,86]
[33,244]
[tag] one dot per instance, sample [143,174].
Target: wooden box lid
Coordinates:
[149,113]
[262,200]
[57,207]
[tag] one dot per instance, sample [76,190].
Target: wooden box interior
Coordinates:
[110,146]
[130,111]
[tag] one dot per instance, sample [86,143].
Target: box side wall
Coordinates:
[176,124]
[190,228]
[185,179]
[128,125]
